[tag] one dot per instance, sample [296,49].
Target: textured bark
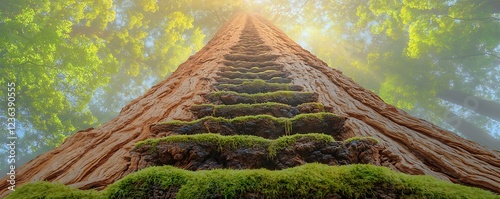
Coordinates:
[97,157]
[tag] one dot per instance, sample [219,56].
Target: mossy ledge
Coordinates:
[265,126]
[212,151]
[251,58]
[268,108]
[247,64]
[237,141]
[292,98]
[240,81]
[306,181]
[258,86]
[251,70]
[265,75]
[250,49]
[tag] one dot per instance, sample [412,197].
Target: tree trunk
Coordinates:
[472,132]
[95,158]
[484,107]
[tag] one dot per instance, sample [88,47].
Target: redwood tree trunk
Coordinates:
[95,158]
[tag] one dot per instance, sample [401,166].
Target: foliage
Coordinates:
[406,51]
[306,181]
[54,72]
[75,63]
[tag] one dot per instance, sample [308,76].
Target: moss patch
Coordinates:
[236,110]
[238,141]
[306,181]
[239,107]
[240,81]
[268,108]
[258,86]
[247,64]
[251,58]
[255,49]
[293,98]
[265,75]
[45,189]
[261,125]
[251,70]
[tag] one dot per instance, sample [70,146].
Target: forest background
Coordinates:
[76,63]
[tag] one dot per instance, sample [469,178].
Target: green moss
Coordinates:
[275,78]
[352,139]
[256,83]
[241,107]
[238,141]
[259,86]
[254,69]
[312,115]
[323,122]
[267,74]
[250,73]
[234,110]
[241,80]
[137,185]
[244,119]
[286,97]
[230,141]
[306,181]
[45,189]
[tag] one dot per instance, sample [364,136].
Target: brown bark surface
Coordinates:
[95,158]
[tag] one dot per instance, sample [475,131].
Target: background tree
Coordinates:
[409,51]
[63,54]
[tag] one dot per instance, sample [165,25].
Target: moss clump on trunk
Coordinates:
[260,125]
[307,181]
[258,86]
[238,141]
[293,98]
[250,64]
[240,81]
[213,151]
[265,75]
[268,108]
[251,70]
[251,58]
